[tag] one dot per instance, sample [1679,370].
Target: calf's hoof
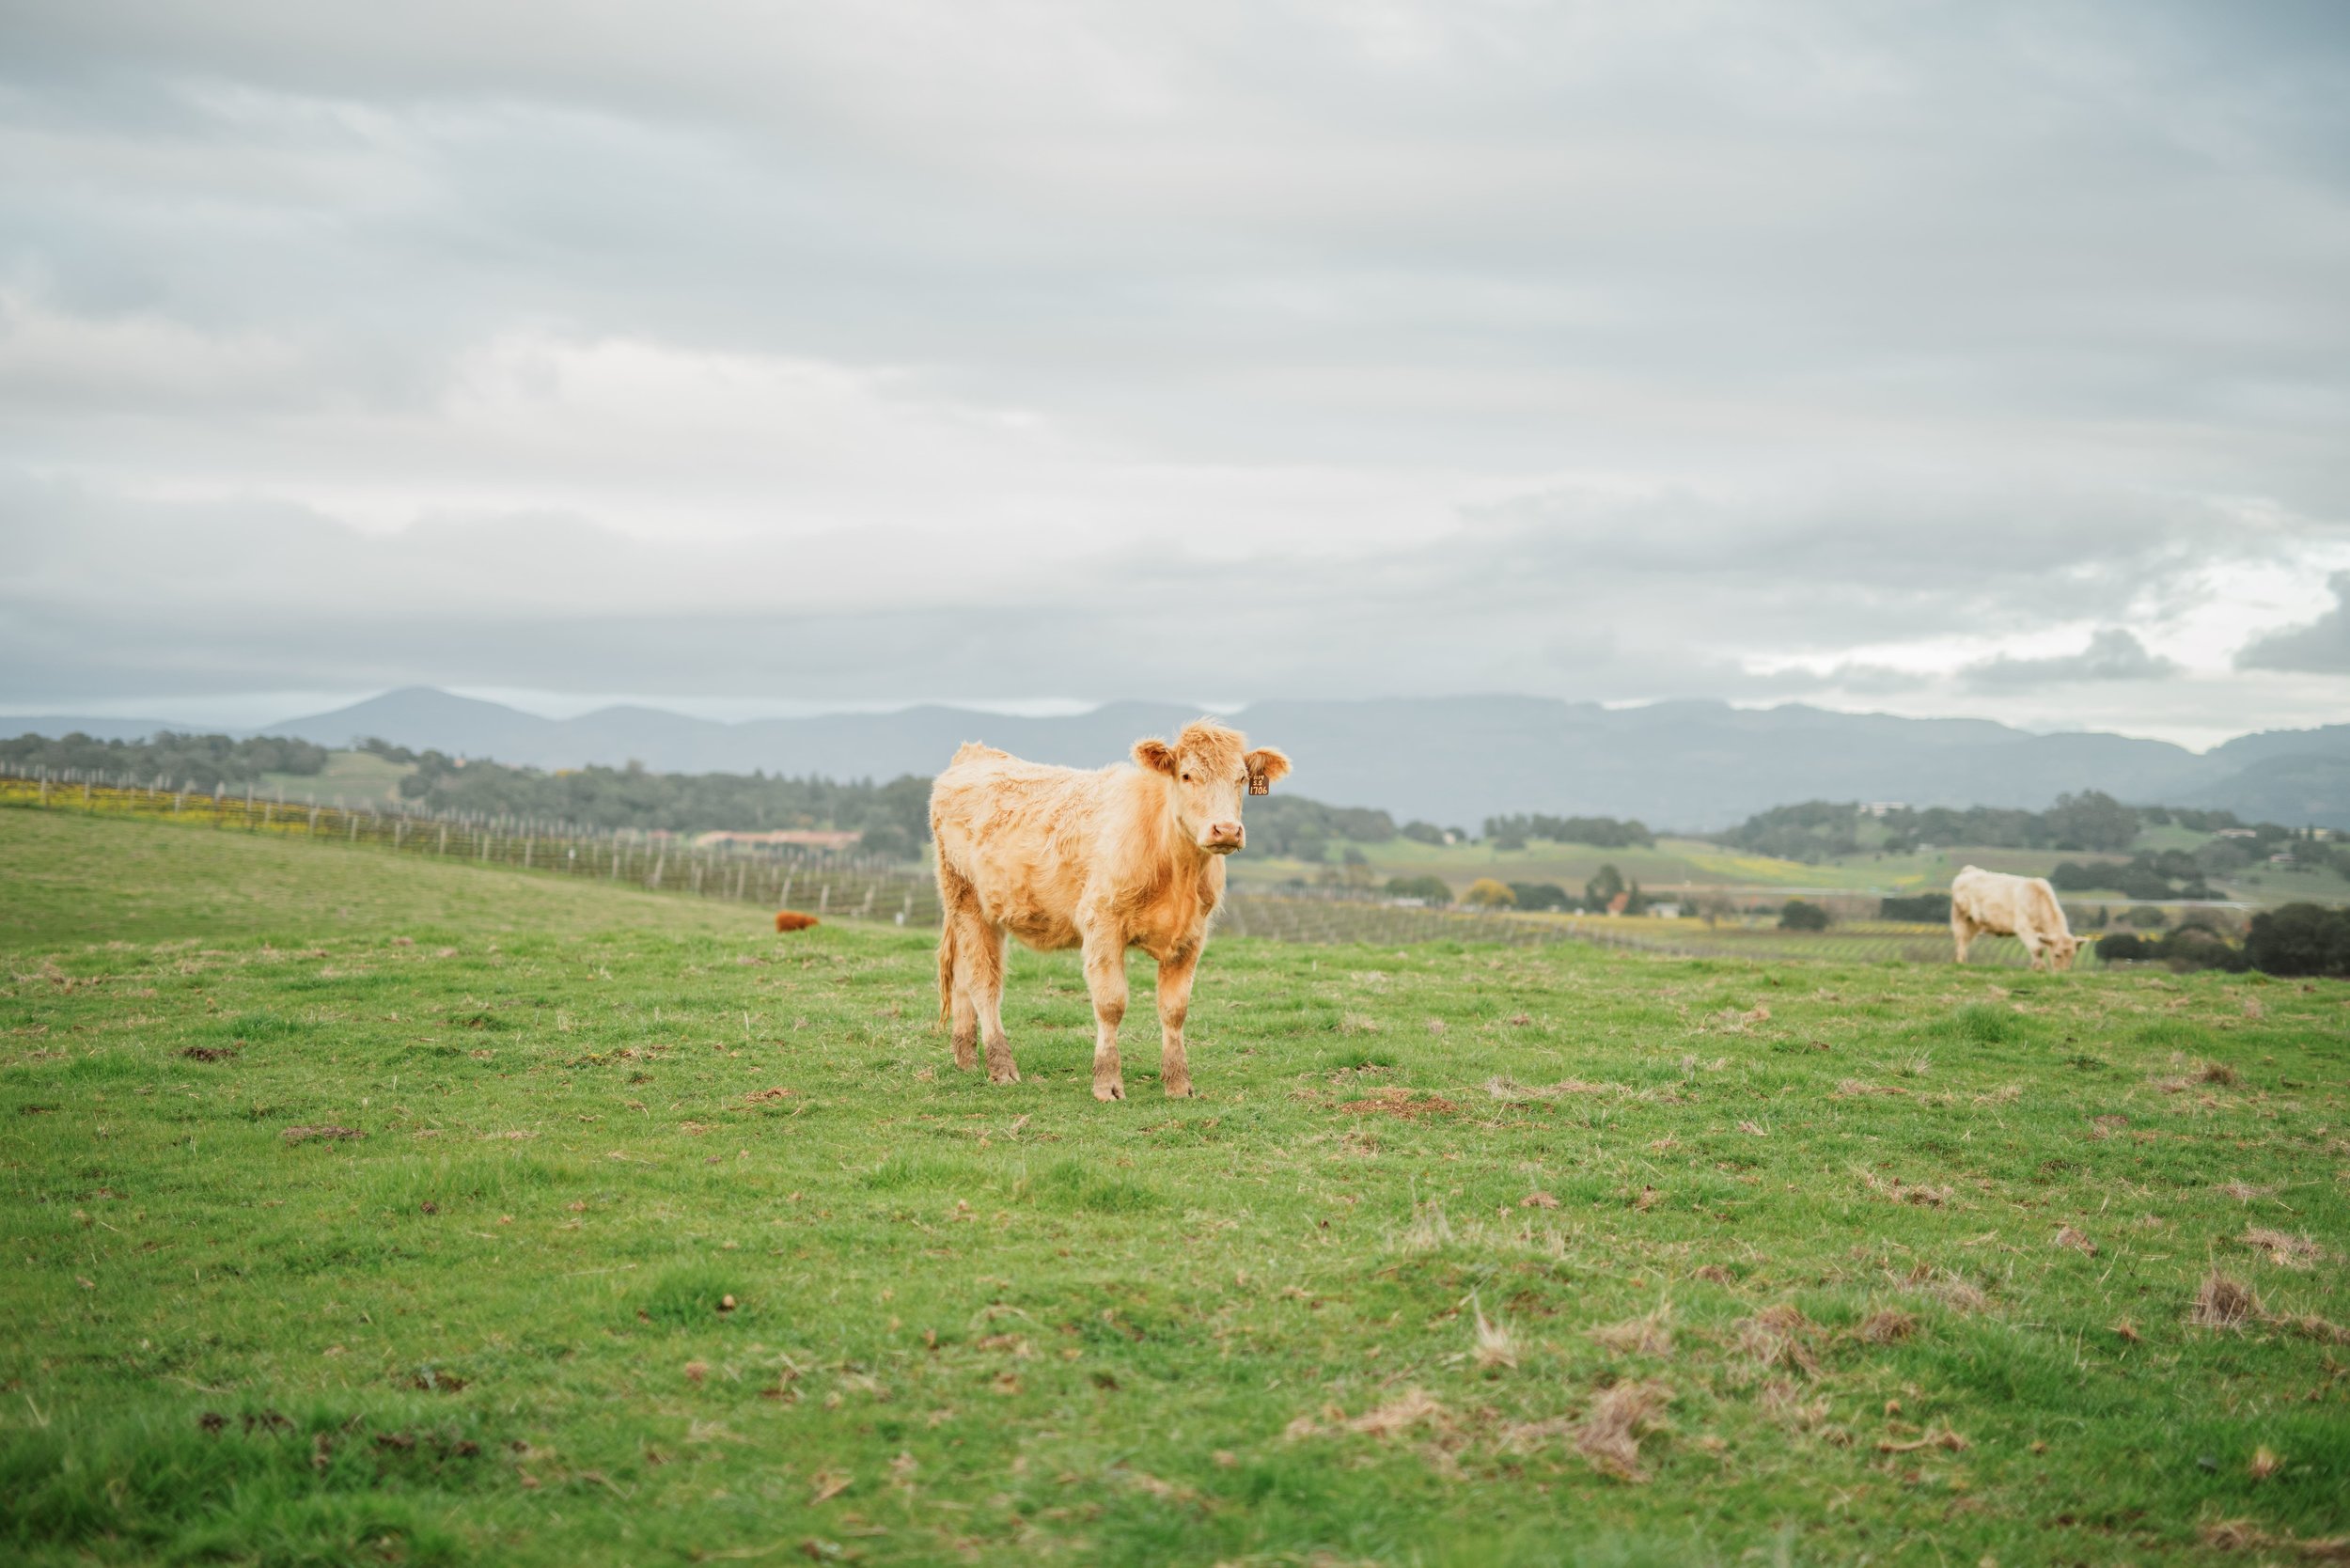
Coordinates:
[1004,1074]
[1112,1090]
[1178,1089]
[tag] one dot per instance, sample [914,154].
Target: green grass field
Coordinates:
[1698,865]
[355,777]
[662,1239]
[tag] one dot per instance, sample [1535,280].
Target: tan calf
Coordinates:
[1105,860]
[2024,907]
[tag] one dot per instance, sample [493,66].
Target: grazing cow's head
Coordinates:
[1207,770]
[2061,951]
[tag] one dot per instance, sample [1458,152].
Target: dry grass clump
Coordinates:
[1887,1325]
[2077,1241]
[1714,1274]
[1893,1189]
[1515,1092]
[2311,1327]
[1401,1103]
[1782,1401]
[1429,1229]
[1411,1409]
[1651,1335]
[1497,1348]
[2200,1073]
[2244,1192]
[2224,1303]
[2242,1535]
[1358,1022]
[2287,1250]
[1853,1089]
[1779,1335]
[1610,1435]
[1953,1290]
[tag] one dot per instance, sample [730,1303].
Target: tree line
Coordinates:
[2090,821]
[1513,832]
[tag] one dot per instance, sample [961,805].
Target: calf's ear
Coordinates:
[1264,766]
[1156,755]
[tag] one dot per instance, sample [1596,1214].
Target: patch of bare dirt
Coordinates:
[1402,1103]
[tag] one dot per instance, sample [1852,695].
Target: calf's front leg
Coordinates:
[1175,977]
[1106,981]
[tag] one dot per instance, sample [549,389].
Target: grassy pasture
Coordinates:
[1465,1255]
[1696,865]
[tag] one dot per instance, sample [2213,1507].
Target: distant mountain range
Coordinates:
[1452,761]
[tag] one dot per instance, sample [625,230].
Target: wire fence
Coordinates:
[839,885]
[825,882]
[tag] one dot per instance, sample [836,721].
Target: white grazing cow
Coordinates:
[1105,860]
[2024,907]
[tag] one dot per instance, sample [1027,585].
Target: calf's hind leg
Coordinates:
[1962,932]
[979,996]
[959,924]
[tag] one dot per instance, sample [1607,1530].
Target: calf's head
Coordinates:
[1208,770]
[2062,951]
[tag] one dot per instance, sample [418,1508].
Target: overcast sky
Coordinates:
[754,358]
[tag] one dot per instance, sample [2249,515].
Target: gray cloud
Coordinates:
[2321,646]
[2112,654]
[1005,351]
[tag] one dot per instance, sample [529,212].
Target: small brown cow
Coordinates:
[2024,907]
[1116,859]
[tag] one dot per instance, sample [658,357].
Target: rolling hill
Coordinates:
[1691,766]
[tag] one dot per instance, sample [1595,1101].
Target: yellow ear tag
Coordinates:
[1257,785]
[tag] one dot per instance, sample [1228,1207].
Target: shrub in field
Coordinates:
[1931,908]
[1802,915]
[2192,946]
[2300,939]
[1542,895]
[2198,947]
[1488,894]
[1432,890]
